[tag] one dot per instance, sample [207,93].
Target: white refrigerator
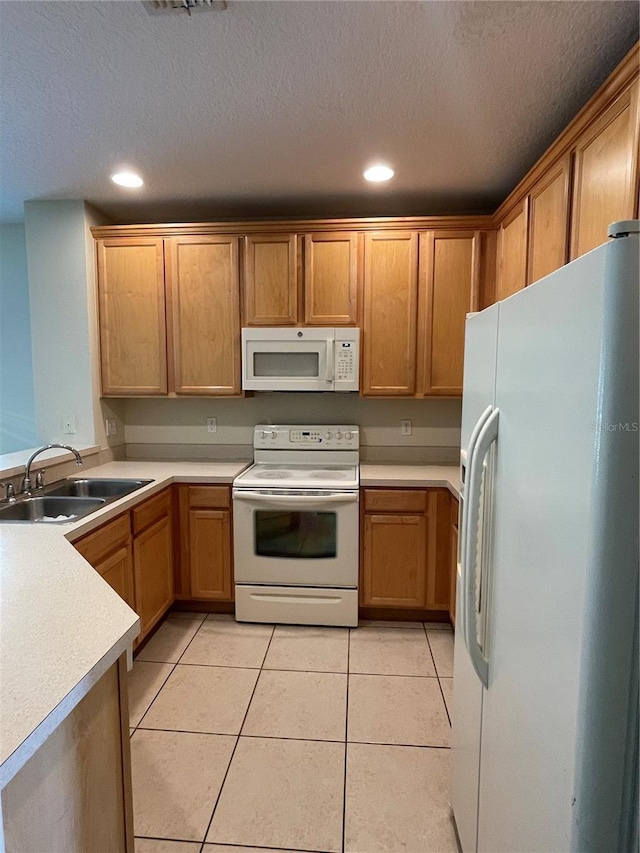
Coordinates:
[545,706]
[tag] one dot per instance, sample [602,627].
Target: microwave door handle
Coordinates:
[330,360]
[279,500]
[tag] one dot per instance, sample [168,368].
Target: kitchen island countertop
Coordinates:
[61,624]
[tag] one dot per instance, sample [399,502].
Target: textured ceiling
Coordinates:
[274,108]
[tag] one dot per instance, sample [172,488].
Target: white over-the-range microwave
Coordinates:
[300,359]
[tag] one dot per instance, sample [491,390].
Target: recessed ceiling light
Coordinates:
[378,173]
[127,179]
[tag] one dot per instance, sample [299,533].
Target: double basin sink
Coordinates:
[68,500]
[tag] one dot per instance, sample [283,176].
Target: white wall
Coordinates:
[17,407]
[153,425]
[56,259]
[61,269]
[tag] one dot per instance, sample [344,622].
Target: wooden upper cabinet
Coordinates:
[203,294]
[132,316]
[512,251]
[270,280]
[605,178]
[390,313]
[331,279]
[549,221]
[449,289]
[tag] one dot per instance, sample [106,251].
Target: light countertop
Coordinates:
[412,476]
[61,625]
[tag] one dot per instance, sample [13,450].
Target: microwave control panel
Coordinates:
[346,362]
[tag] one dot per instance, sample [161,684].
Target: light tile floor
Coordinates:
[286,738]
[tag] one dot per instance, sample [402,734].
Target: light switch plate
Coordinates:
[69,424]
[111,426]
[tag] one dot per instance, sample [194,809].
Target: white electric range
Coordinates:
[296,527]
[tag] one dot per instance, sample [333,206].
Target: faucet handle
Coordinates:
[10,492]
[40,479]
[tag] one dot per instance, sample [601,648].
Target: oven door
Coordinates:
[296,537]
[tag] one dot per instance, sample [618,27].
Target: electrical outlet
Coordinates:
[405,427]
[212,425]
[69,424]
[111,426]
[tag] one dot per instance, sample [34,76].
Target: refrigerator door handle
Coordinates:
[473,439]
[488,434]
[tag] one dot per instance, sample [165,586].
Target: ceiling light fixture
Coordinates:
[127,179]
[378,173]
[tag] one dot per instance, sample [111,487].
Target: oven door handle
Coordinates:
[288,500]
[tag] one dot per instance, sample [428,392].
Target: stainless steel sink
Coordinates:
[68,500]
[50,509]
[95,488]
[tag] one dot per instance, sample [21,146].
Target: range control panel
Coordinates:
[317,437]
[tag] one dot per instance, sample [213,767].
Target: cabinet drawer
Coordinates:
[395,500]
[105,540]
[150,511]
[211,497]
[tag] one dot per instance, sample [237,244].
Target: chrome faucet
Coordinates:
[25,486]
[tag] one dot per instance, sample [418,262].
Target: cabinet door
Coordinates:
[453,557]
[606,173]
[512,252]
[133,348]
[153,572]
[117,571]
[270,280]
[449,289]
[210,554]
[331,279]
[549,221]
[393,566]
[390,314]
[438,586]
[204,315]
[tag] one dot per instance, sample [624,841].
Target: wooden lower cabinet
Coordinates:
[74,793]
[453,560]
[405,549]
[117,570]
[206,564]
[153,560]
[394,560]
[109,550]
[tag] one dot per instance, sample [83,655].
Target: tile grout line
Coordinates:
[233,752]
[446,708]
[169,674]
[173,667]
[297,739]
[346,741]
[222,844]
